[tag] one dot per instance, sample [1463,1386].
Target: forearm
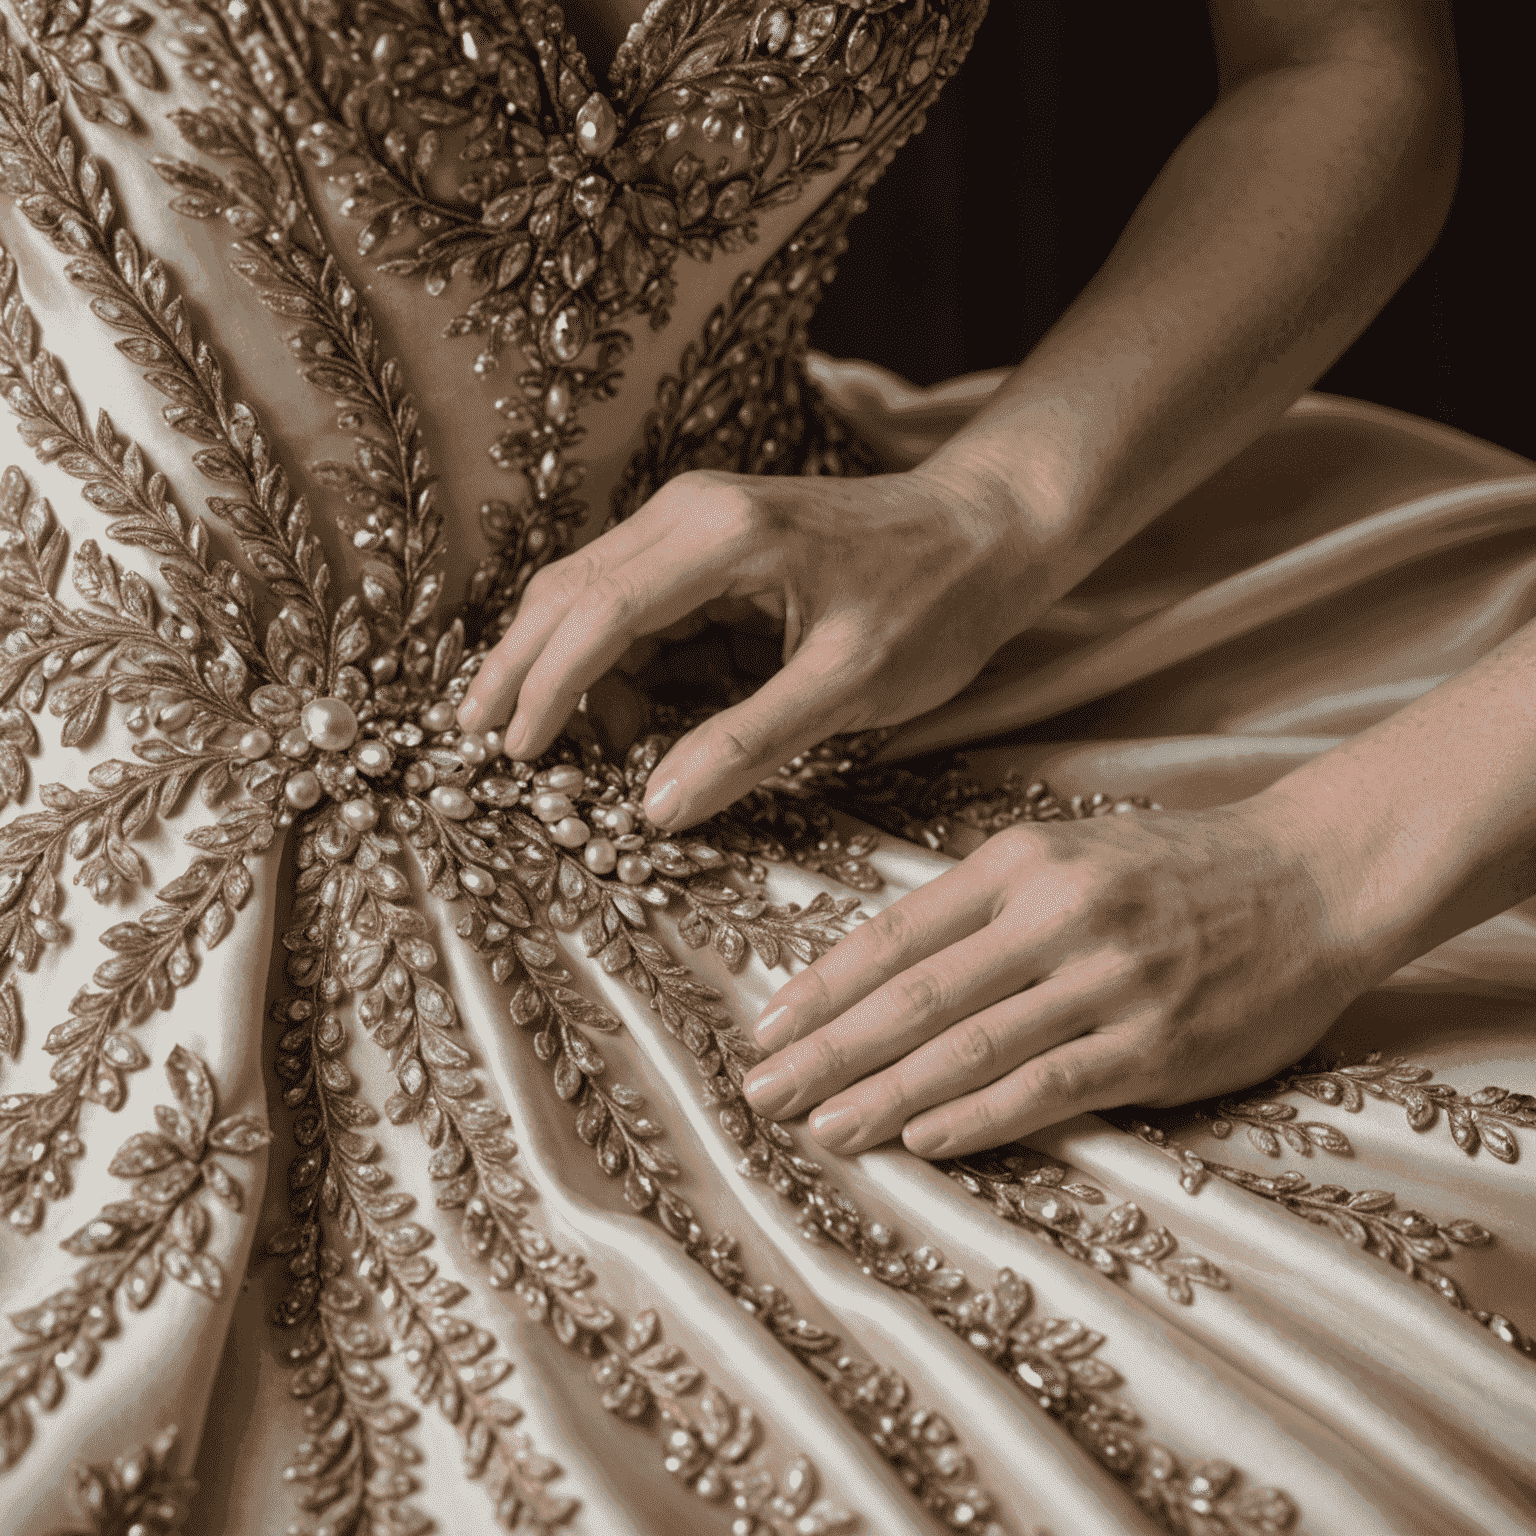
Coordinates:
[1424,825]
[1280,227]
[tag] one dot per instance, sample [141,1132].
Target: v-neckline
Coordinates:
[634,38]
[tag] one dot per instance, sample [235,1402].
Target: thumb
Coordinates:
[718,762]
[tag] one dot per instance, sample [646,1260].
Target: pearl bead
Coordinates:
[295,743]
[494,741]
[302,791]
[618,821]
[360,815]
[330,724]
[599,856]
[174,716]
[472,750]
[374,757]
[418,776]
[549,806]
[452,803]
[439,717]
[255,744]
[477,881]
[570,832]
[565,779]
[633,870]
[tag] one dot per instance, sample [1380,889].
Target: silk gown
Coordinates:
[371,1136]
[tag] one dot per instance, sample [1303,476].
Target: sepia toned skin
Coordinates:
[1064,968]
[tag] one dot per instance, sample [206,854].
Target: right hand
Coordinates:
[890,594]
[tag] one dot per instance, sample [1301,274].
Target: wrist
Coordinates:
[1004,490]
[1376,912]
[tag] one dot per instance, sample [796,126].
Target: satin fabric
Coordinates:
[1341,566]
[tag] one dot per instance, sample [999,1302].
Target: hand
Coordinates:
[890,594]
[1063,967]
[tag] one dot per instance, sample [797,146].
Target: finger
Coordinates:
[549,597]
[922,923]
[1101,1070]
[962,1059]
[666,583]
[814,697]
[893,1020]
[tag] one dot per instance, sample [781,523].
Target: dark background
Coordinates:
[992,220]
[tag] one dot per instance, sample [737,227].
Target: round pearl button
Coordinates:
[302,791]
[600,856]
[329,724]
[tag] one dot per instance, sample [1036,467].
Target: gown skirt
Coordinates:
[1303,1309]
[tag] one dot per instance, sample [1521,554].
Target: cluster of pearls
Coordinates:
[605,833]
[326,725]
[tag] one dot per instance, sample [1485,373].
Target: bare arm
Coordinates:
[1281,225]
[1158,959]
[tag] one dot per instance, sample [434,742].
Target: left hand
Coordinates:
[1147,958]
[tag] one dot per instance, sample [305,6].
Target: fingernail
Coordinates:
[924,1142]
[470,711]
[835,1128]
[661,804]
[769,1089]
[512,742]
[769,1027]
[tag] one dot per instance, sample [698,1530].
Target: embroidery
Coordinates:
[613,934]
[160,1229]
[1368,1218]
[138,1495]
[71,38]
[1030,1192]
[1054,1362]
[1482,1119]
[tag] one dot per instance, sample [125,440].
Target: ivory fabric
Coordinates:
[1303,1310]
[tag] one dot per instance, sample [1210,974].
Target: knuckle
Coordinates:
[733,511]
[821,1054]
[614,601]
[1057,1078]
[890,931]
[974,1049]
[560,584]
[738,746]
[920,992]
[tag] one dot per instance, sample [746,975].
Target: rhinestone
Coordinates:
[500,791]
[255,744]
[330,724]
[452,803]
[360,815]
[596,126]
[439,717]
[302,791]
[600,856]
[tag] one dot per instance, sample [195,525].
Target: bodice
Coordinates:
[478,300]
